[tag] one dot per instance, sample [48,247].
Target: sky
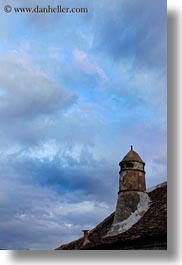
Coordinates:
[76,90]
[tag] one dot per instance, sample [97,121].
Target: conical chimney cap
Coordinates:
[132,156]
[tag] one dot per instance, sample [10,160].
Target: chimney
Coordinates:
[85,239]
[132,197]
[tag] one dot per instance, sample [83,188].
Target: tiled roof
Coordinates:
[152,225]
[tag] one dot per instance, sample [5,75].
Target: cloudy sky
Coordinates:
[76,90]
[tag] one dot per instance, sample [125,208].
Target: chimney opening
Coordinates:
[129,164]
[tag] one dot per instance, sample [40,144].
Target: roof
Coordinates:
[132,156]
[153,225]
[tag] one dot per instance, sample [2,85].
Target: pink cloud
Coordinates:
[87,64]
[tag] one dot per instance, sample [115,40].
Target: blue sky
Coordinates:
[76,90]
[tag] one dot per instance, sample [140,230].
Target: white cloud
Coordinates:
[48,149]
[81,207]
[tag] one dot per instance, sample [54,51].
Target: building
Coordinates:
[140,218]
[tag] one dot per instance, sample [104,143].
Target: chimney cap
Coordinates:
[85,237]
[132,156]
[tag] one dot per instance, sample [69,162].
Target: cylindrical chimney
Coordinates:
[85,239]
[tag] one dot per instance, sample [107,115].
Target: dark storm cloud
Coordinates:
[94,178]
[26,94]
[59,195]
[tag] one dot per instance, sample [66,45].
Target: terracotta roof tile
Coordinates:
[152,225]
